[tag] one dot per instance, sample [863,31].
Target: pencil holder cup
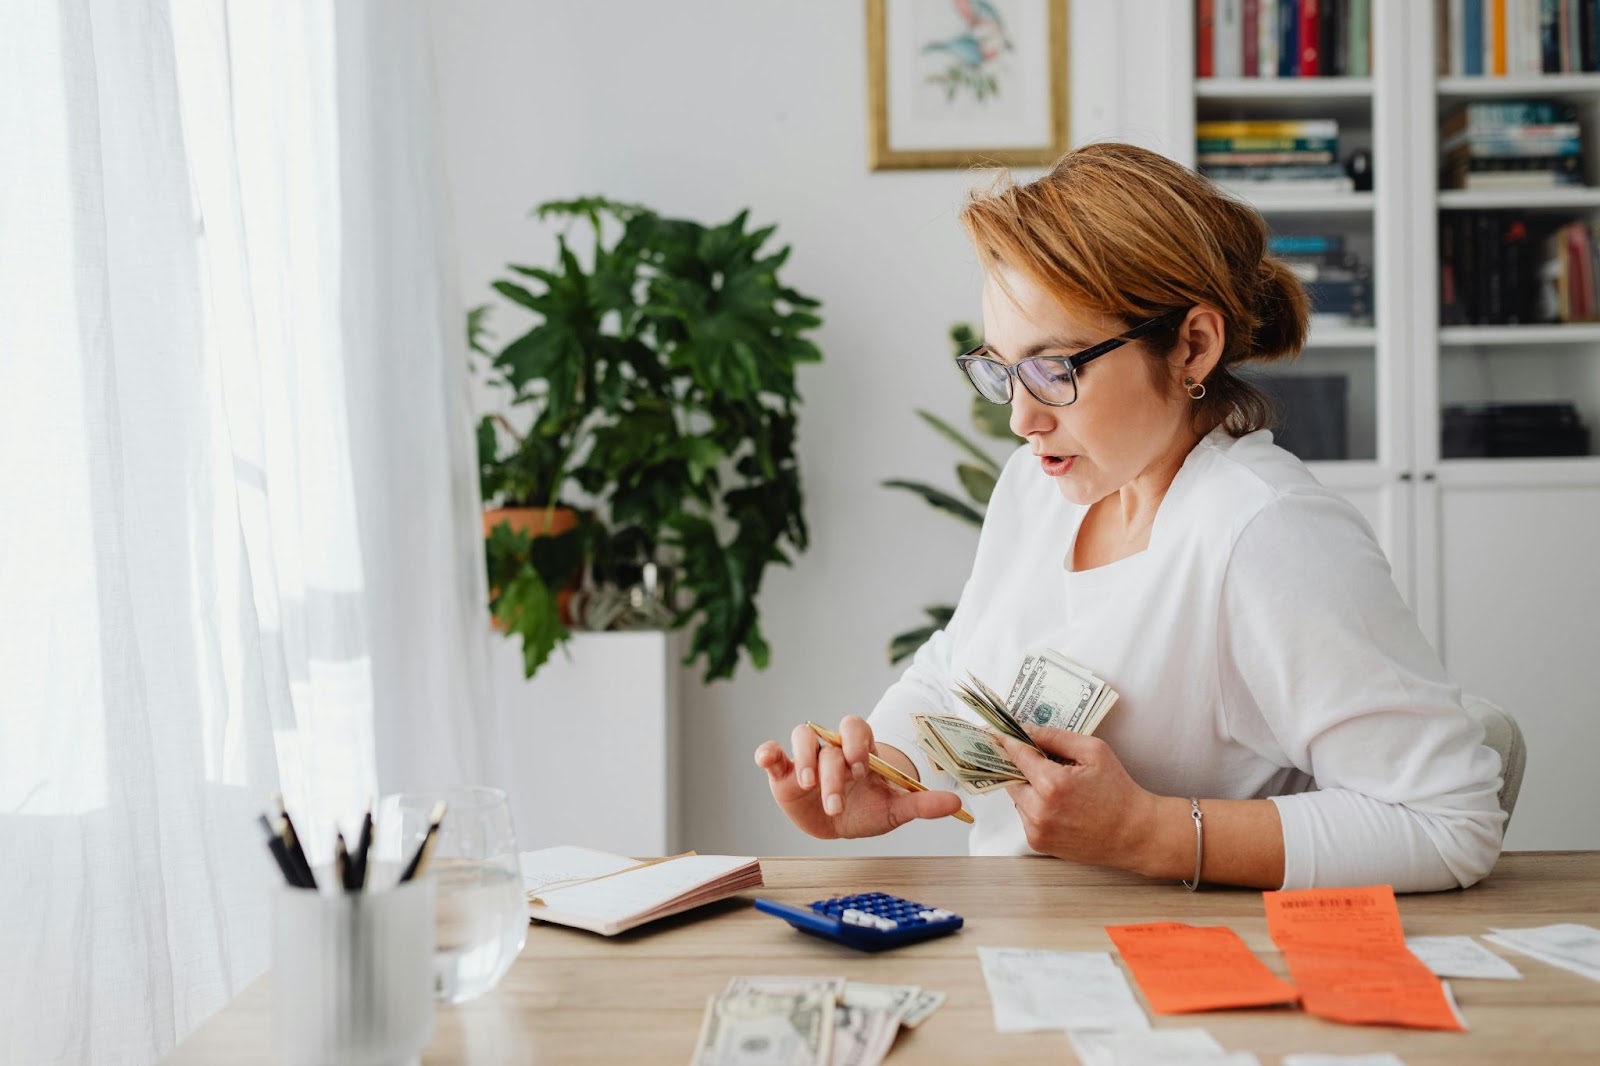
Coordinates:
[352,975]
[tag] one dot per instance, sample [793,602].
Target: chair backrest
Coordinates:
[1500,732]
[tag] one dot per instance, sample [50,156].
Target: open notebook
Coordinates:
[607,893]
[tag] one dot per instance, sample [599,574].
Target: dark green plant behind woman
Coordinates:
[660,378]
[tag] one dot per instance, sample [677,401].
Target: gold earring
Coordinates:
[1195,389]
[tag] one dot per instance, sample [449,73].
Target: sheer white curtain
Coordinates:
[231,482]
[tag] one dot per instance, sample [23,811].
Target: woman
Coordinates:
[1280,714]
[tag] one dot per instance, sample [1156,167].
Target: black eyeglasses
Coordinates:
[1050,379]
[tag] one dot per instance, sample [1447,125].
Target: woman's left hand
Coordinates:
[1088,810]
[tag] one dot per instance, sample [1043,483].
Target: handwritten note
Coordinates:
[1347,953]
[1183,968]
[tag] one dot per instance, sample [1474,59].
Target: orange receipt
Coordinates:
[1349,959]
[1182,968]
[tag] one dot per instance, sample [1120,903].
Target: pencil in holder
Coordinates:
[352,979]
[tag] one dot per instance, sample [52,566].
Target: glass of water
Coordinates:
[480,912]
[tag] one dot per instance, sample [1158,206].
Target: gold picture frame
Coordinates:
[882,155]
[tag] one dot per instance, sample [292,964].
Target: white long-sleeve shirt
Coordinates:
[1261,650]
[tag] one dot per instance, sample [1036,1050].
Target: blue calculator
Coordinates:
[872,921]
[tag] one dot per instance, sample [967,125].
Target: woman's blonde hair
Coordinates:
[1118,230]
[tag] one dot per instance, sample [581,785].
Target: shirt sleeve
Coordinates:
[1323,664]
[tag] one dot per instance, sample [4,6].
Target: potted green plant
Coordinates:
[976,477]
[657,381]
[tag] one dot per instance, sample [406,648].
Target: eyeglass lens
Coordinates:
[1050,380]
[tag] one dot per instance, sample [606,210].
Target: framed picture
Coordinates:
[954,83]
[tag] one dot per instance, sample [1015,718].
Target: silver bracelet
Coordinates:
[1199,842]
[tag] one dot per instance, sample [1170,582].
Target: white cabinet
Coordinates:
[1500,558]
[595,742]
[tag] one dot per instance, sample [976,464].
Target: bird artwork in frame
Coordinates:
[960,83]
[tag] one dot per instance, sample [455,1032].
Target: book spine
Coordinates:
[1523,149]
[1526,14]
[1257,159]
[1359,48]
[1282,174]
[1205,29]
[1472,37]
[1227,40]
[1252,38]
[1549,39]
[1247,128]
[1266,144]
[1449,305]
[1288,38]
[1586,39]
[1328,38]
[1310,38]
[1564,35]
[1497,37]
[1268,31]
[1515,300]
[1286,244]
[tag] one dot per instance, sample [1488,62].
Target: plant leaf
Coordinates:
[940,499]
[978,481]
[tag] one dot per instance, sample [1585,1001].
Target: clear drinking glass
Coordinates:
[480,912]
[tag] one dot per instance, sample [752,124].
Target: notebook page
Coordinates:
[548,866]
[617,898]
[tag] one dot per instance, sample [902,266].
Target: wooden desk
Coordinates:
[576,997]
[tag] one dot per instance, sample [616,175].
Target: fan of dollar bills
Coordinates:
[1050,690]
[815,1021]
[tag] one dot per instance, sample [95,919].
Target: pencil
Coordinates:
[280,854]
[425,849]
[291,844]
[357,877]
[885,770]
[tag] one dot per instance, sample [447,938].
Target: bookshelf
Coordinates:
[1495,555]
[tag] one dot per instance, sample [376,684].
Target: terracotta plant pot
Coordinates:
[537,522]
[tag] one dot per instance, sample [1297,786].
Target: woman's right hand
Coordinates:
[829,792]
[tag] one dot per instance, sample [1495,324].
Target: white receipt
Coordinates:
[1379,1058]
[1460,956]
[1568,945]
[1034,990]
[1114,1049]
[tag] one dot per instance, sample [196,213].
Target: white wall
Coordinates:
[700,108]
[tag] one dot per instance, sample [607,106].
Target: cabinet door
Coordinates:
[1519,606]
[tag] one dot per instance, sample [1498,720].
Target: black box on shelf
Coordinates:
[1505,430]
[1312,414]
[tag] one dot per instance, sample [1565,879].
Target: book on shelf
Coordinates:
[1283,38]
[607,894]
[1272,156]
[1524,38]
[1500,268]
[1508,430]
[1511,144]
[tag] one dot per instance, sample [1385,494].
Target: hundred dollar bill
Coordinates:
[973,784]
[1052,690]
[832,987]
[967,747]
[862,1036]
[753,1028]
[896,999]
[926,1003]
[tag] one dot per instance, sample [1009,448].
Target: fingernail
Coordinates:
[833,804]
[808,778]
[859,769]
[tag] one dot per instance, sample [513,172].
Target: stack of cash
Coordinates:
[825,1021]
[1050,690]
